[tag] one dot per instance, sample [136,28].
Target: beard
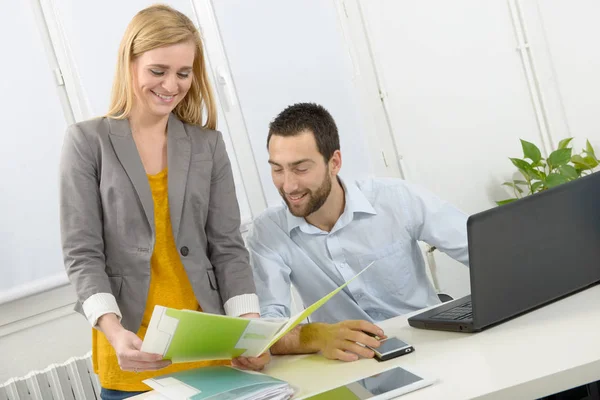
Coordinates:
[316,199]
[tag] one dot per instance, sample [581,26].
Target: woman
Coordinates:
[148,208]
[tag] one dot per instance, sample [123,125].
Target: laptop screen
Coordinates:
[535,250]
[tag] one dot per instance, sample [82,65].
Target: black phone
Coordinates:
[391,348]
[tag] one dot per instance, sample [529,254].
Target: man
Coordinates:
[330,229]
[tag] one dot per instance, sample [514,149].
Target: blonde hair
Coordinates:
[159,26]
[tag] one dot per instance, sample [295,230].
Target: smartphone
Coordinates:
[391,348]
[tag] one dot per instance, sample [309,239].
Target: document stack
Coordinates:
[219,383]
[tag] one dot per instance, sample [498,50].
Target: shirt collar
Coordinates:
[356,202]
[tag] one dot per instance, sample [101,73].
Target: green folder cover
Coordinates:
[185,335]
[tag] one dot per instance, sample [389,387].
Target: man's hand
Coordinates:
[252,363]
[340,341]
[127,346]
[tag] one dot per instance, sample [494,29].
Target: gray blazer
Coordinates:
[107,216]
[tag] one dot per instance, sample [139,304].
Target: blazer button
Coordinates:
[184,251]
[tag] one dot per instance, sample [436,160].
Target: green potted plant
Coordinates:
[540,173]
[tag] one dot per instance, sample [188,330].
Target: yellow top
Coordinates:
[166,273]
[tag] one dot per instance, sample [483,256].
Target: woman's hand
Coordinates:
[252,363]
[127,346]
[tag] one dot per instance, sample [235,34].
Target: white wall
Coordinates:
[458,98]
[563,37]
[29,201]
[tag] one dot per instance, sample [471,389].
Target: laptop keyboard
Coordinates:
[458,313]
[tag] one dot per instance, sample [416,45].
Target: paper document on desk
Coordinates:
[186,335]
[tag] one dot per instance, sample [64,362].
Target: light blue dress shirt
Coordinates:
[382,221]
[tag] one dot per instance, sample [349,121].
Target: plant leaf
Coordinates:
[519,182]
[525,168]
[579,162]
[502,202]
[559,157]
[589,149]
[538,164]
[591,161]
[531,151]
[537,186]
[537,174]
[521,164]
[564,143]
[554,180]
[569,172]
[512,185]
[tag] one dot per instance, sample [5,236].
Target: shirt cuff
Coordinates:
[99,304]
[242,304]
[273,316]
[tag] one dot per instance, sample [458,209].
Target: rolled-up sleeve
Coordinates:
[242,304]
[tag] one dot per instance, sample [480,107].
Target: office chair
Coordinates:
[444,297]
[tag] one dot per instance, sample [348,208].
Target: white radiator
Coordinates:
[71,380]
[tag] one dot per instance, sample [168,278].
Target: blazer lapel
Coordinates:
[127,153]
[178,159]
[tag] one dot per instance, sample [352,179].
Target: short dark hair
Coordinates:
[308,117]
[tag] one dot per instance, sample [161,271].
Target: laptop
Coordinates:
[524,255]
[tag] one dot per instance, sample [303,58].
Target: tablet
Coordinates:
[385,385]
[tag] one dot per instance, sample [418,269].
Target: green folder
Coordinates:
[185,335]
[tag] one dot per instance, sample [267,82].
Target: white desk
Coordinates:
[545,351]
